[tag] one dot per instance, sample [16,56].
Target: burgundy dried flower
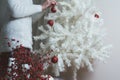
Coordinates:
[27,65]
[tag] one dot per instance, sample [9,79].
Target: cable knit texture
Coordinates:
[21,27]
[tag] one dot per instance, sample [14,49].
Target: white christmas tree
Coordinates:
[75,35]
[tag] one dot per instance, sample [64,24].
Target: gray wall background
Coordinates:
[111,15]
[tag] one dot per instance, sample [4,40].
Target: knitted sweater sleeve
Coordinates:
[23,8]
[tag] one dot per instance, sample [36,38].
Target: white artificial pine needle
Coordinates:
[76,36]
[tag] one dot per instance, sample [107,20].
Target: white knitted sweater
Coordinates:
[20,28]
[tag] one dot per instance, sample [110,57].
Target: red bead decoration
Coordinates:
[54,59]
[53,9]
[51,22]
[97,16]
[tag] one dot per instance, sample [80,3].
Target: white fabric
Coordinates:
[22,8]
[21,27]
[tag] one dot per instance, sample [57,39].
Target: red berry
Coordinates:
[97,16]
[53,9]
[21,46]
[54,59]
[51,22]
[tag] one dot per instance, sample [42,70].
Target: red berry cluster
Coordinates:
[23,56]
